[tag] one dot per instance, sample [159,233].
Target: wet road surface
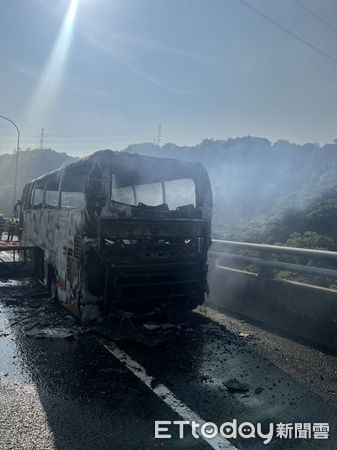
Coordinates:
[78,392]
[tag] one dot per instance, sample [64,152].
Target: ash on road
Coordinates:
[60,388]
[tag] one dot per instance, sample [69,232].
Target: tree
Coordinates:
[311,239]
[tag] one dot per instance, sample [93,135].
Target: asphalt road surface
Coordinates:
[62,387]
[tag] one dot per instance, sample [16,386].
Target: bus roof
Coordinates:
[124,161]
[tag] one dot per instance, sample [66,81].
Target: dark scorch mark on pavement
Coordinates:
[88,399]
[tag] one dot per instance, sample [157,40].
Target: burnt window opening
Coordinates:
[25,201]
[73,187]
[151,194]
[180,193]
[37,195]
[125,195]
[173,193]
[52,195]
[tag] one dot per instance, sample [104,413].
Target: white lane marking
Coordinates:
[167,396]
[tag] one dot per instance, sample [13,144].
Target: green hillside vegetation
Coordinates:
[263,192]
[32,164]
[267,192]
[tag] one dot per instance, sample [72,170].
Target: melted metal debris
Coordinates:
[234,385]
[14,283]
[54,333]
[36,314]
[150,334]
[41,318]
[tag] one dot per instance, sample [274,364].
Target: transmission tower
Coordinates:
[42,139]
[159,135]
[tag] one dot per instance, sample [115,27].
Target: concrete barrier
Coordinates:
[301,310]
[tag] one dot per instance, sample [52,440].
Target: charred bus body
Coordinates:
[121,233]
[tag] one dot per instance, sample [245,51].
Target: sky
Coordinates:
[101,74]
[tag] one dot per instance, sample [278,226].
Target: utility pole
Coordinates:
[42,139]
[159,135]
[16,158]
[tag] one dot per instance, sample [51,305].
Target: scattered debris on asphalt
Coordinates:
[212,328]
[4,334]
[54,333]
[149,335]
[40,318]
[114,370]
[234,385]
[244,335]
[258,390]
[163,326]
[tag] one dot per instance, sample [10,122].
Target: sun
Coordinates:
[71,14]
[47,89]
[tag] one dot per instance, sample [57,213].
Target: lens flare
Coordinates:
[72,12]
[47,89]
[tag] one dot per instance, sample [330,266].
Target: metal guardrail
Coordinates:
[286,288]
[265,258]
[277,249]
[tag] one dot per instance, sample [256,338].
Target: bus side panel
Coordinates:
[58,232]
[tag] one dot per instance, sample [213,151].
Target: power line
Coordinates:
[65,135]
[288,31]
[317,16]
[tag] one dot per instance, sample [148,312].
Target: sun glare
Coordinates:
[50,81]
[71,12]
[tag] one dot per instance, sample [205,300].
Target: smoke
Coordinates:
[258,185]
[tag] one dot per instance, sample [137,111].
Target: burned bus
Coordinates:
[121,234]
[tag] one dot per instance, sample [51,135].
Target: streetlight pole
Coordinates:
[16,159]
